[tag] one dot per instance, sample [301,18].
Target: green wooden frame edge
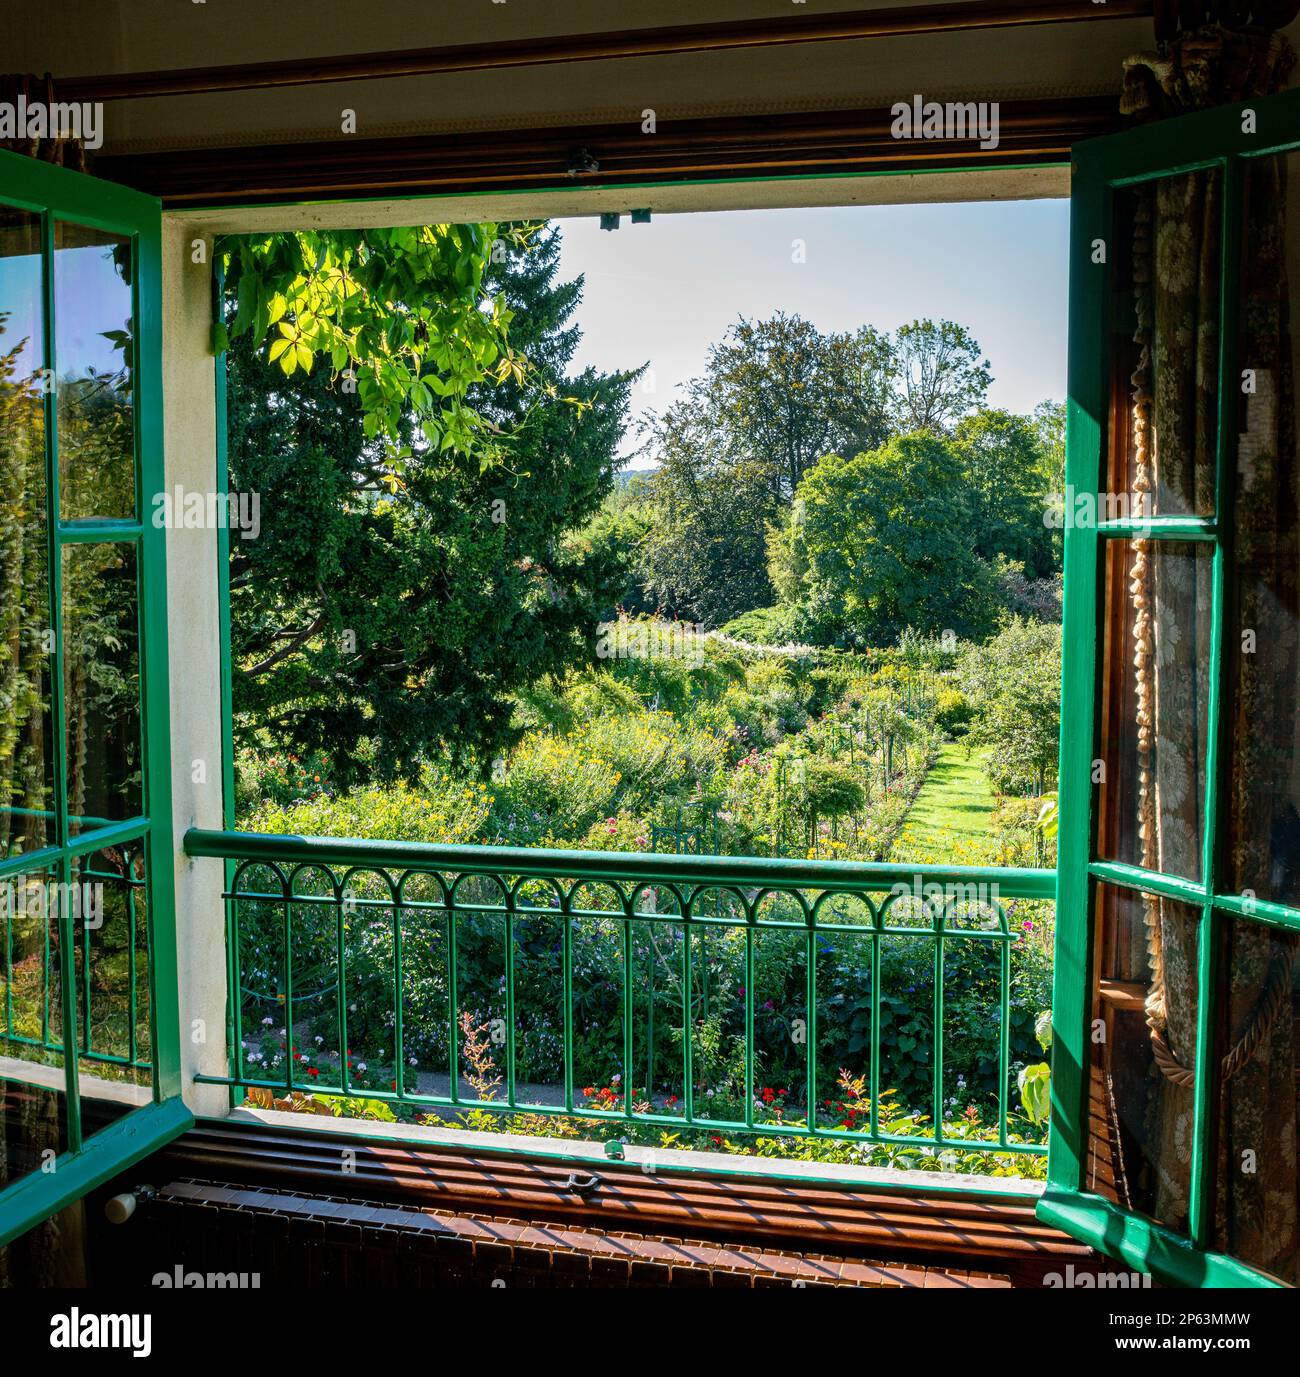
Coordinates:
[1101,165]
[35,1197]
[58,193]
[1146,1246]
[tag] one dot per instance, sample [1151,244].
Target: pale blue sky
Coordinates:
[664,292]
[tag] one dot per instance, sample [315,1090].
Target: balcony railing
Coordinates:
[333,930]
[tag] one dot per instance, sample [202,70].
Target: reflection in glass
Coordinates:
[101,685]
[1140,1118]
[32,1119]
[1154,700]
[93,343]
[26,740]
[1256,1200]
[1164,313]
[1262,632]
[110,901]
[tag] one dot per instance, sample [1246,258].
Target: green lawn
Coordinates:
[955,803]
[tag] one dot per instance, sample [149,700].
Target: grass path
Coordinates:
[955,802]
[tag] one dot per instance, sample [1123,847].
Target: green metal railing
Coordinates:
[306,913]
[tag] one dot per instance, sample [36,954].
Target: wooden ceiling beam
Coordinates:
[1031,132]
[850,25]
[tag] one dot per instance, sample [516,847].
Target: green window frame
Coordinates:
[1103,168]
[54,194]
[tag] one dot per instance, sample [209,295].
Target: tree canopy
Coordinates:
[883,542]
[391,606]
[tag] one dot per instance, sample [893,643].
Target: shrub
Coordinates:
[953,711]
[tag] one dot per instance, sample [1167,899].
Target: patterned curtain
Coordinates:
[1174,416]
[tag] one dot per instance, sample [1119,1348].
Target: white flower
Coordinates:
[361,1066]
[319,1040]
[267,1021]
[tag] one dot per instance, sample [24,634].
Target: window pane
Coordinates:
[110,904]
[101,685]
[93,333]
[32,1118]
[1262,633]
[1143,1041]
[1154,694]
[1256,1202]
[26,740]
[1165,342]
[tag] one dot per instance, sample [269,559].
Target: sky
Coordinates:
[662,293]
[90,298]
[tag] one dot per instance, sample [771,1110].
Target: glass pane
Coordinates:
[32,1120]
[93,333]
[109,899]
[1262,633]
[101,685]
[1140,1116]
[41,1256]
[1154,693]
[1256,1203]
[1164,346]
[26,739]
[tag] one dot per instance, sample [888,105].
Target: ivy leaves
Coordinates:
[399,316]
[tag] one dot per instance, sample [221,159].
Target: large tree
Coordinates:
[941,375]
[1003,463]
[403,587]
[883,542]
[776,397]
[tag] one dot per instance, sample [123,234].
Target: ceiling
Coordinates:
[75,39]
[510,95]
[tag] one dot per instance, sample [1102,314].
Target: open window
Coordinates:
[1174,1077]
[89,1061]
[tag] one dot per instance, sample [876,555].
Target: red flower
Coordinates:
[311,1071]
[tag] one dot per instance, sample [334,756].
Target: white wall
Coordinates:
[189,461]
